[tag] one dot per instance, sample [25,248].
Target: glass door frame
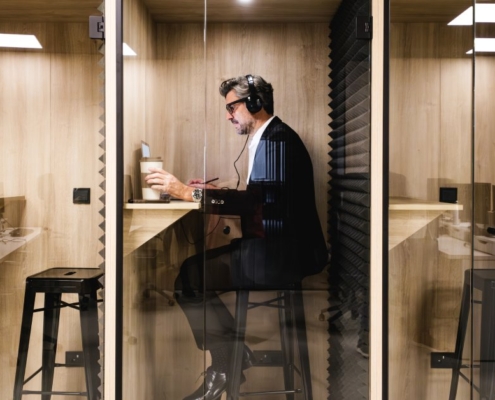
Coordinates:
[112,371]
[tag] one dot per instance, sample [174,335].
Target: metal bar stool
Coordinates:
[53,283]
[292,327]
[483,280]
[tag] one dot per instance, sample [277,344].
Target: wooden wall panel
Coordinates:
[484,168]
[49,119]
[139,34]
[430,126]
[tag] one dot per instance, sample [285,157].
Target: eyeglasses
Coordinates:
[230,106]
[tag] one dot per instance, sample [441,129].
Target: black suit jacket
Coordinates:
[282,237]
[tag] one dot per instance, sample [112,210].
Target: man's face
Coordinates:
[240,117]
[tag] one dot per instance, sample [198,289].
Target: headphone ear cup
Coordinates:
[253,104]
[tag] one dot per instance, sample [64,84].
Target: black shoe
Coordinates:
[214,385]
[248,359]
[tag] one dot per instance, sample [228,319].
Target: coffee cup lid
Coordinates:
[151,159]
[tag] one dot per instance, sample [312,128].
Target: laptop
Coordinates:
[145,149]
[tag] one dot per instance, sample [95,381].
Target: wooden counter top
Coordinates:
[407,216]
[143,221]
[9,244]
[410,204]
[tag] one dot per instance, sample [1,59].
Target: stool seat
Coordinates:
[53,283]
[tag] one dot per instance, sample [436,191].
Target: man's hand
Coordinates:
[161,180]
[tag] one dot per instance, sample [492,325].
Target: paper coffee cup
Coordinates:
[146,164]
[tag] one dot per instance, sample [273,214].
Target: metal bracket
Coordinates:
[364,27]
[74,359]
[443,360]
[96,27]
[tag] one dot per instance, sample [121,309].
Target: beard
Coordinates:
[243,129]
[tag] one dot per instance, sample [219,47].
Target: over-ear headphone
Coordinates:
[253,102]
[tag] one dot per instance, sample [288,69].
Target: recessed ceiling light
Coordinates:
[483,45]
[127,51]
[19,41]
[484,13]
[245,1]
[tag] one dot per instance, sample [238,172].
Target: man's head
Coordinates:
[243,90]
[249,102]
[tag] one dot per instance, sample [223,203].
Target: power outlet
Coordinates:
[74,359]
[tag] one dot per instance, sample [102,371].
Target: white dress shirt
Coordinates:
[253,145]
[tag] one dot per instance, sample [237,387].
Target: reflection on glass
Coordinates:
[436,208]
[172,102]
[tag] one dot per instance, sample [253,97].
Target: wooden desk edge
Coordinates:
[410,204]
[173,205]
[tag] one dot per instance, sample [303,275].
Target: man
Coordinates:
[282,241]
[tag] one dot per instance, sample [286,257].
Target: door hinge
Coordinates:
[364,27]
[96,27]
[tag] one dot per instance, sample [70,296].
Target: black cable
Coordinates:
[205,236]
[242,151]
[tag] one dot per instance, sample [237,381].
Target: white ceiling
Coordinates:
[227,10]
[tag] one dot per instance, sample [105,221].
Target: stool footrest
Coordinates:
[55,393]
[270,393]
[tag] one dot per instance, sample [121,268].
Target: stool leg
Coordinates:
[286,321]
[461,335]
[302,343]
[51,316]
[234,381]
[27,320]
[90,339]
[487,342]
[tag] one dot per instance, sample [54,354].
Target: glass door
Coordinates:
[182,114]
[175,59]
[483,274]
[264,60]
[164,123]
[52,177]
[433,206]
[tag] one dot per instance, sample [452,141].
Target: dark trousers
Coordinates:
[250,264]
[201,277]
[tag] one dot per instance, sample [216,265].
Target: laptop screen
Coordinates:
[145,150]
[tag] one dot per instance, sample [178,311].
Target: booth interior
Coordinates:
[440,145]
[53,157]
[172,102]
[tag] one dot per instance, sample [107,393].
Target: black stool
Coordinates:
[483,280]
[291,318]
[53,283]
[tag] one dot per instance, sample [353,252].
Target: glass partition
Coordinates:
[164,125]
[52,188]
[483,274]
[227,289]
[434,209]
